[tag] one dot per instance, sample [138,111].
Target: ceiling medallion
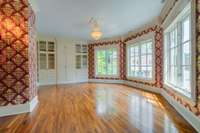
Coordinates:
[96,33]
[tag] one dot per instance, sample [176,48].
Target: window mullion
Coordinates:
[169,56]
[140,71]
[180,52]
[47,56]
[112,61]
[129,60]
[146,61]
[106,61]
[134,56]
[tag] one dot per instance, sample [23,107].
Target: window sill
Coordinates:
[178,93]
[141,79]
[107,76]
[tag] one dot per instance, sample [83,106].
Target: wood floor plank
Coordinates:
[97,108]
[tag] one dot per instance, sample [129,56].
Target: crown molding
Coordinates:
[34,5]
[166,9]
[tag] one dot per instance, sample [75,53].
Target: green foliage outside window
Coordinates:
[106,61]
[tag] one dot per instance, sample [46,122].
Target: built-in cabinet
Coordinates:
[47,54]
[46,62]
[81,56]
[61,61]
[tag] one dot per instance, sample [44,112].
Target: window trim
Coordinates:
[118,62]
[144,38]
[188,10]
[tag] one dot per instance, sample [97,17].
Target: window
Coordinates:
[46,55]
[177,55]
[81,56]
[140,60]
[106,61]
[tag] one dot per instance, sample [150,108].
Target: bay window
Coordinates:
[177,54]
[106,61]
[140,60]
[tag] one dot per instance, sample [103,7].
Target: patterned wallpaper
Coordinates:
[122,45]
[18,58]
[122,58]
[32,55]
[198,55]
[91,61]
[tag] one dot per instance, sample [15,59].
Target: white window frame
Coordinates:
[138,41]
[118,58]
[188,10]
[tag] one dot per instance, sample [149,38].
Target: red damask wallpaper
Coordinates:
[122,58]
[198,55]
[17,55]
[122,45]
[32,55]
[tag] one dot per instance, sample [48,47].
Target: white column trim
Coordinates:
[19,109]
[34,5]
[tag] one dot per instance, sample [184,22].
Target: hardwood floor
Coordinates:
[97,108]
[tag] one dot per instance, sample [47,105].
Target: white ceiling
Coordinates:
[69,18]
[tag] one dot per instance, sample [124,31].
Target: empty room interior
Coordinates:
[99,66]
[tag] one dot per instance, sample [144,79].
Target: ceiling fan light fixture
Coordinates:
[96,35]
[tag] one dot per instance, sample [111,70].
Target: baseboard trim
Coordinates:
[19,109]
[45,84]
[128,83]
[107,81]
[72,82]
[186,114]
[33,103]
[62,83]
[143,87]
